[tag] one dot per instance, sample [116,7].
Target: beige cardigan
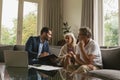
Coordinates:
[63,51]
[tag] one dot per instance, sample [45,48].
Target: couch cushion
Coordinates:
[111,58]
[19,47]
[2,48]
[106,74]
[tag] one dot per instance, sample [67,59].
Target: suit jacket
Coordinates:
[32,47]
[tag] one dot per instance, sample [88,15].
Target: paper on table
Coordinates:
[45,67]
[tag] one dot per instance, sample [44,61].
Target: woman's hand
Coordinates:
[71,54]
[68,55]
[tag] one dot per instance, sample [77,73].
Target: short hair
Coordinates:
[44,29]
[86,31]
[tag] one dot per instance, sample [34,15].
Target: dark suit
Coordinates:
[32,47]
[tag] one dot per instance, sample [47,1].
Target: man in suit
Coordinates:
[37,46]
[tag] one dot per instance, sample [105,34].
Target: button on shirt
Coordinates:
[40,48]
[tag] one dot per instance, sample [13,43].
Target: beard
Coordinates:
[46,38]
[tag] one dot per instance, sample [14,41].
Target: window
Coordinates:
[9,21]
[29,21]
[107,22]
[110,22]
[19,19]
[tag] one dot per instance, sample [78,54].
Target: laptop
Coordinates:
[16,58]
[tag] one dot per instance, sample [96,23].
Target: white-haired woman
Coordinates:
[69,47]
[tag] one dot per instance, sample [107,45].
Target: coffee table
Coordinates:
[12,73]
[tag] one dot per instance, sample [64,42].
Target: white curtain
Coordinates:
[88,14]
[53,18]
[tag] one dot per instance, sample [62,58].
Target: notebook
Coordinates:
[16,58]
[49,60]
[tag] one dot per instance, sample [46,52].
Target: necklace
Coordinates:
[70,48]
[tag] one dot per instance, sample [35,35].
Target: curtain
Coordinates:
[87,18]
[53,18]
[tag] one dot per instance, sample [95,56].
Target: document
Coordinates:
[45,67]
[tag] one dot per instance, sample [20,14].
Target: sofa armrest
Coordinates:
[111,58]
[106,74]
[2,48]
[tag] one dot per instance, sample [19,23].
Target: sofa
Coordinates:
[110,58]
[111,65]
[53,49]
[9,47]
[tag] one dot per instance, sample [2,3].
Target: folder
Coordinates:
[48,60]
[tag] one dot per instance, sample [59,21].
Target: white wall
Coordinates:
[72,14]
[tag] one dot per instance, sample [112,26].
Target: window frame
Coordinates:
[20,18]
[0,17]
[98,22]
[119,21]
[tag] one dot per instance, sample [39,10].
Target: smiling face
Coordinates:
[68,39]
[48,35]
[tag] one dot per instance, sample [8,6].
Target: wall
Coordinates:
[72,14]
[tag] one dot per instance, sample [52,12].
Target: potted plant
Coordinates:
[66,29]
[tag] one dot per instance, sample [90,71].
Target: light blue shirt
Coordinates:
[40,47]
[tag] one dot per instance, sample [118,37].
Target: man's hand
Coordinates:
[44,54]
[81,44]
[92,67]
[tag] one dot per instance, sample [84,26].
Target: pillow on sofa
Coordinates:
[2,48]
[111,58]
[19,47]
[106,74]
